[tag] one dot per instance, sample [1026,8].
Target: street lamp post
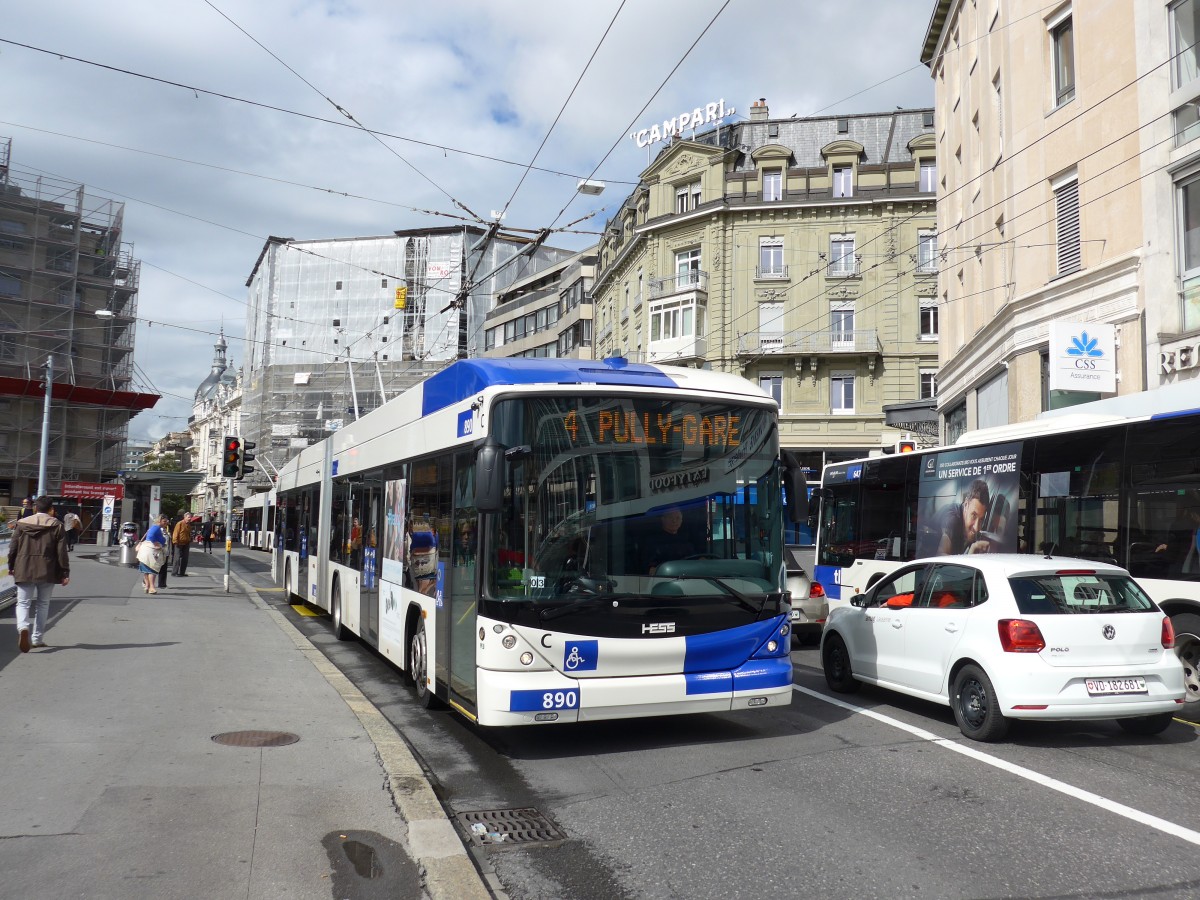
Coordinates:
[41,489]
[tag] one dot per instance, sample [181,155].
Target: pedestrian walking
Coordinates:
[181,539]
[26,508]
[73,524]
[165,524]
[37,558]
[208,530]
[152,555]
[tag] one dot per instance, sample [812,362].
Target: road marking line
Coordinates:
[1120,809]
[305,611]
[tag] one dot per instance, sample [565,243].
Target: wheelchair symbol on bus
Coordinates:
[579,656]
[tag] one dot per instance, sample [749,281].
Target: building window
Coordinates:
[1189,241]
[770,258]
[928,177]
[337,286]
[928,384]
[998,105]
[926,251]
[772,185]
[770,324]
[841,323]
[1187,123]
[841,392]
[956,422]
[1185,31]
[489,338]
[687,267]
[841,255]
[674,319]
[843,126]
[929,320]
[1066,209]
[927,119]
[1062,41]
[772,386]
[843,181]
[687,197]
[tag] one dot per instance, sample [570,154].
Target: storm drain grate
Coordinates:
[256,738]
[510,827]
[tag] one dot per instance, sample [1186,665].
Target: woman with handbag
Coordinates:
[151,555]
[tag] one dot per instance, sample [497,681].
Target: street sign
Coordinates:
[90,490]
[401,297]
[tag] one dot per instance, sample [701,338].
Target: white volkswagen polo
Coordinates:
[1010,636]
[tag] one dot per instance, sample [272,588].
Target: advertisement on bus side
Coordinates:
[967,501]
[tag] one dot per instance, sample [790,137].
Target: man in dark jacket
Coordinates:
[37,558]
[181,539]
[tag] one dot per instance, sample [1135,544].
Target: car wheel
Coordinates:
[418,667]
[340,631]
[1145,726]
[976,709]
[287,581]
[835,660]
[1187,648]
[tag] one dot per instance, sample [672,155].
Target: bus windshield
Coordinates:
[636,497]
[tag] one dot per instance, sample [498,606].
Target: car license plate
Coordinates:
[796,616]
[1099,687]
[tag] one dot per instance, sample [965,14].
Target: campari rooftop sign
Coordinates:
[689,119]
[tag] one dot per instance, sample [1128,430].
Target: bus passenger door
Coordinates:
[368,509]
[461,580]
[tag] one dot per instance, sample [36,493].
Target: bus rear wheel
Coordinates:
[418,667]
[1187,648]
[340,631]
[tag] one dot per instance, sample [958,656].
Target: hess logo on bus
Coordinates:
[659,628]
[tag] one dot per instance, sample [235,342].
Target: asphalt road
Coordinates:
[879,796]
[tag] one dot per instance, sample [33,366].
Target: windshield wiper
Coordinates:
[736,594]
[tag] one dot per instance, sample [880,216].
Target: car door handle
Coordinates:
[896,623]
[951,627]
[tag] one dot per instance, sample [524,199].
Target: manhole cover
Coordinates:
[510,827]
[256,738]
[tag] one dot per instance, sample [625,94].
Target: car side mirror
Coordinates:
[858,600]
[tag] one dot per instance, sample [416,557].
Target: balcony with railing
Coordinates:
[770,273]
[826,341]
[691,282]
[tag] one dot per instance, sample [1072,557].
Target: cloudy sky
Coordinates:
[461,94]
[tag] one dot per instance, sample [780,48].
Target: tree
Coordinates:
[171,504]
[161,462]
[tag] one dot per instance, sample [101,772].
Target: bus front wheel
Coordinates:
[418,667]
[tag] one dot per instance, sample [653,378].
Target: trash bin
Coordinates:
[129,542]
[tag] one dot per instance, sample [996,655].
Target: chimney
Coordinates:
[758,110]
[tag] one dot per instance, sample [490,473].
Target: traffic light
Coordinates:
[906,445]
[231,458]
[245,458]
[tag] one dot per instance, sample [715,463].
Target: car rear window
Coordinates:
[1078,593]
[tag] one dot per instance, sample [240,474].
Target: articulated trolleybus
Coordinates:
[1123,490]
[258,521]
[555,540]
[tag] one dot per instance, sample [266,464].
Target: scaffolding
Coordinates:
[329,337]
[62,262]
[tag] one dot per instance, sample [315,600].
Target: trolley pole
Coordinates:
[228,529]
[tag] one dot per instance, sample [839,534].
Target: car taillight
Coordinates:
[1020,636]
[815,590]
[1168,635]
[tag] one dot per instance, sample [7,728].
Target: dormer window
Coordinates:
[687,197]
[772,185]
[843,181]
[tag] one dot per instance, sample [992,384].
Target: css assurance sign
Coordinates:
[1083,357]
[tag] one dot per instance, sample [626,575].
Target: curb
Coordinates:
[436,845]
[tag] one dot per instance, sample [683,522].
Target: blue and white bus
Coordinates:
[549,540]
[258,521]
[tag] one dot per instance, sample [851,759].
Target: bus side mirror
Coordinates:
[797,490]
[489,478]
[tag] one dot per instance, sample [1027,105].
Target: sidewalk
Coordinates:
[113,787]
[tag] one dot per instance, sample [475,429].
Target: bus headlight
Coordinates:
[481,634]
[527,658]
[510,641]
[772,646]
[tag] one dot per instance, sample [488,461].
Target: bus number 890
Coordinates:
[560,699]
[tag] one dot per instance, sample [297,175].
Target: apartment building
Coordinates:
[548,313]
[68,294]
[799,253]
[1068,202]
